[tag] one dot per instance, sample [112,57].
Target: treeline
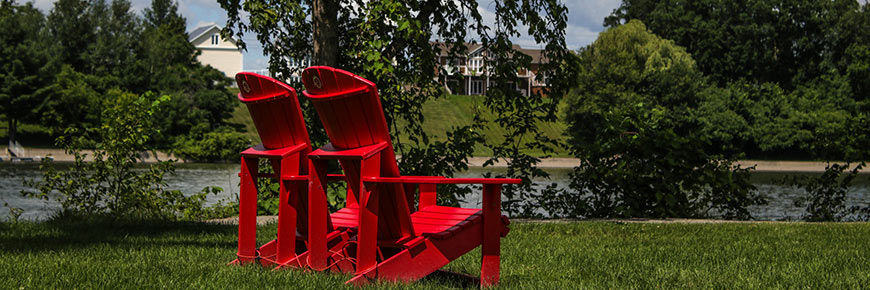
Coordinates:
[792,77]
[61,70]
[675,92]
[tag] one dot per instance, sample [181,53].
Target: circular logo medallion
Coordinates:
[245,86]
[316,81]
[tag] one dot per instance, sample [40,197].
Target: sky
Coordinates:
[585,18]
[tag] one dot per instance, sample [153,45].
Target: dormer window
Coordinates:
[215,39]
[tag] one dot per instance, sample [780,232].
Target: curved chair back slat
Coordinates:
[274,107]
[348,105]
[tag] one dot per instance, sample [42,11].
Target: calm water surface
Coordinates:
[191,178]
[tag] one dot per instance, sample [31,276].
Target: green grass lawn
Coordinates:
[441,115]
[579,255]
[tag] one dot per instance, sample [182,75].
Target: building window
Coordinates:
[476,87]
[476,64]
[215,39]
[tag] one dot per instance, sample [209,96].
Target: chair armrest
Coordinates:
[300,178]
[491,187]
[441,180]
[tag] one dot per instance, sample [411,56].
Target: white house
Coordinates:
[222,54]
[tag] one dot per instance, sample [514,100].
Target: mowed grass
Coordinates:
[581,255]
[442,115]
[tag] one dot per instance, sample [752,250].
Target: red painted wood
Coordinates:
[317,216]
[260,152]
[427,256]
[368,218]
[275,110]
[348,107]
[428,195]
[329,151]
[248,211]
[491,249]
[430,180]
[443,216]
[287,205]
[429,238]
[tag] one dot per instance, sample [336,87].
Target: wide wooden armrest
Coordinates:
[261,152]
[441,180]
[329,151]
[329,177]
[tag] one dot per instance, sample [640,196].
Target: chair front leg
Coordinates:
[367,239]
[248,211]
[317,215]
[491,248]
[288,197]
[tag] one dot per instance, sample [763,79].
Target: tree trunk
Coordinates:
[325,19]
[12,130]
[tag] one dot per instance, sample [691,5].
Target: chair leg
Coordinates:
[317,215]
[491,248]
[287,204]
[248,211]
[367,237]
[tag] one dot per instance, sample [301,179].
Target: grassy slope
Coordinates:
[535,256]
[441,115]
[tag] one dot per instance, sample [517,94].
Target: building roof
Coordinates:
[536,54]
[199,31]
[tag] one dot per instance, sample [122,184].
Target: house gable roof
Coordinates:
[198,32]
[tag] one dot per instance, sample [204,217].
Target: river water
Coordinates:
[191,178]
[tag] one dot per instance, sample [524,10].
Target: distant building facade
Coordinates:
[469,73]
[222,54]
[296,67]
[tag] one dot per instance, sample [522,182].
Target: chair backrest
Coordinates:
[274,106]
[351,112]
[348,105]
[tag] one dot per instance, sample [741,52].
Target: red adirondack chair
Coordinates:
[394,241]
[275,110]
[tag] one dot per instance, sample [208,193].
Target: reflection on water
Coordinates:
[191,178]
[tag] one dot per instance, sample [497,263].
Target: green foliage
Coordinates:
[110,183]
[371,37]
[826,194]
[793,74]
[26,63]
[104,46]
[72,104]
[762,40]
[634,124]
[212,147]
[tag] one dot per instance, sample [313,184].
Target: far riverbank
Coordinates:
[760,165]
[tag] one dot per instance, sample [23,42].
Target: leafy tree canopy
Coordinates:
[633,123]
[396,45]
[26,63]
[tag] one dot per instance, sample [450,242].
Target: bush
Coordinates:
[634,124]
[112,184]
[213,147]
[826,194]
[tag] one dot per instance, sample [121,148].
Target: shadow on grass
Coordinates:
[61,234]
[452,279]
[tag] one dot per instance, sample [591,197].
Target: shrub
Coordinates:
[113,184]
[212,147]
[634,123]
[826,194]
